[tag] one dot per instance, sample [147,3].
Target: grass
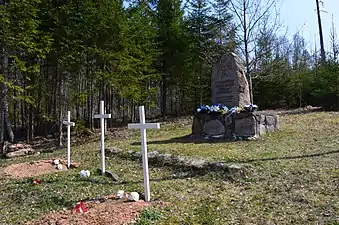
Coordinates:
[148,217]
[294,180]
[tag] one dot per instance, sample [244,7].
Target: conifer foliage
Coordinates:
[60,55]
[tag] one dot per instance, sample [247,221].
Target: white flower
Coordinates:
[84,173]
[134,196]
[215,108]
[120,194]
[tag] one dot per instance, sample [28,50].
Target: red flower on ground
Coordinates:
[80,207]
[36,181]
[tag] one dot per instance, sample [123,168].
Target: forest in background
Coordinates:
[60,55]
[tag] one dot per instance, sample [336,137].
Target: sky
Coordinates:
[301,16]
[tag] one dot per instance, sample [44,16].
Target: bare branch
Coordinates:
[237,14]
[252,26]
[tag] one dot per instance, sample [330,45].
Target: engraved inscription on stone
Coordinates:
[225,87]
[229,84]
[225,99]
[229,65]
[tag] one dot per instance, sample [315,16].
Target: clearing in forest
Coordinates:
[293,179]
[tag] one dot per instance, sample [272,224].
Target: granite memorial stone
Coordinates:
[229,83]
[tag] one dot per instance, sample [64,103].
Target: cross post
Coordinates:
[102,116]
[68,123]
[143,126]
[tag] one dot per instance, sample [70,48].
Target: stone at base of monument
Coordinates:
[237,125]
[212,125]
[255,124]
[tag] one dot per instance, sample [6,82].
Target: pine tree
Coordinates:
[169,20]
[23,47]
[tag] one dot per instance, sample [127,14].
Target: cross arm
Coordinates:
[146,125]
[68,123]
[99,116]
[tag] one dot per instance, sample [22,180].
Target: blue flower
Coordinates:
[214,108]
[251,107]
[225,108]
[221,108]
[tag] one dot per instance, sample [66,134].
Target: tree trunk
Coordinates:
[247,57]
[6,116]
[2,123]
[61,104]
[163,95]
[322,49]
[3,70]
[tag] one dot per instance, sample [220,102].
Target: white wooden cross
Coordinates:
[68,123]
[143,126]
[102,116]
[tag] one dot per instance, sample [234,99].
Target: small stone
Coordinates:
[179,160]
[56,162]
[25,145]
[59,167]
[152,154]
[12,146]
[215,166]
[130,152]
[21,152]
[112,151]
[84,173]
[137,155]
[197,163]
[134,196]
[112,175]
[164,158]
[236,167]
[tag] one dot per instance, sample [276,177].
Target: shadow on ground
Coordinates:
[289,157]
[187,139]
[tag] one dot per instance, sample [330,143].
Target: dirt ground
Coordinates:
[31,169]
[111,212]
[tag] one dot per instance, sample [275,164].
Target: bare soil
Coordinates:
[111,212]
[32,169]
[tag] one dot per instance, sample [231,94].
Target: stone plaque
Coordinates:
[245,126]
[229,83]
[214,127]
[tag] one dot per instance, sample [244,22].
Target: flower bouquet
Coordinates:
[220,108]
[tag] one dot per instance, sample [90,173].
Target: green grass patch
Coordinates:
[294,179]
[148,217]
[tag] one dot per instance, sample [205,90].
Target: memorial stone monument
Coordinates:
[229,87]
[229,83]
